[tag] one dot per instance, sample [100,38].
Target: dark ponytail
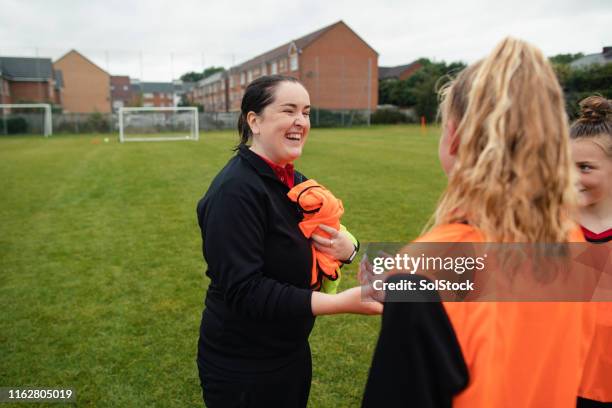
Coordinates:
[243,130]
[258,95]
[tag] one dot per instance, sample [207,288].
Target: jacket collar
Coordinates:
[263,169]
[259,164]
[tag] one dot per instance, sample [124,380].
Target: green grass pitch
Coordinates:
[101,273]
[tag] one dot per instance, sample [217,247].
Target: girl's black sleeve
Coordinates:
[417,361]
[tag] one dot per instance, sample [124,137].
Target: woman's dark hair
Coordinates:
[595,118]
[258,95]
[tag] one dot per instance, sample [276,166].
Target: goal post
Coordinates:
[47,123]
[153,124]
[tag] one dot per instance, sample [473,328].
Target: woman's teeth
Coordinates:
[294,136]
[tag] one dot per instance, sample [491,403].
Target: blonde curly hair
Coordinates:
[513,177]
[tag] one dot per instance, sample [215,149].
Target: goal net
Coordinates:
[151,124]
[26,118]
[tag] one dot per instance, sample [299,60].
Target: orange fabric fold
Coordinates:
[318,206]
[596,379]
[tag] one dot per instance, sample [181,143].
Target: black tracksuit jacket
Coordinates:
[257,314]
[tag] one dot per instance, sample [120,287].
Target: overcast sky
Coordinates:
[156,40]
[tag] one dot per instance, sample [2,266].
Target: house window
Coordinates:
[263,68]
[242,78]
[274,68]
[282,65]
[249,76]
[147,95]
[125,87]
[293,62]
[112,87]
[231,81]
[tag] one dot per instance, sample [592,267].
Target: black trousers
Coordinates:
[289,387]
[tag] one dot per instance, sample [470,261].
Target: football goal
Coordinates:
[17,118]
[152,124]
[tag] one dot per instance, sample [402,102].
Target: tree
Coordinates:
[186,102]
[578,83]
[211,70]
[419,91]
[197,76]
[191,77]
[565,58]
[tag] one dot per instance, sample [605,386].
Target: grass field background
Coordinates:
[101,273]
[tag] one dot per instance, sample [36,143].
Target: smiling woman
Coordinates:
[253,349]
[284,128]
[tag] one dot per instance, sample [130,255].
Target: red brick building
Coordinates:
[337,67]
[86,85]
[121,91]
[29,80]
[212,93]
[154,94]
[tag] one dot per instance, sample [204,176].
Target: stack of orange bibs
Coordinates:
[319,206]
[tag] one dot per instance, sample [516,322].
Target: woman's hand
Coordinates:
[349,301]
[339,245]
[357,301]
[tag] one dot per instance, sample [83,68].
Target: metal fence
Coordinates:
[80,123]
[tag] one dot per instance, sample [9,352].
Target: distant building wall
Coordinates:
[41,92]
[334,69]
[86,86]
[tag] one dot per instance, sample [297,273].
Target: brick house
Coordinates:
[212,93]
[400,72]
[121,91]
[333,63]
[29,80]
[86,85]
[153,94]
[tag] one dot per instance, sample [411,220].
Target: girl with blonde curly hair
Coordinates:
[505,148]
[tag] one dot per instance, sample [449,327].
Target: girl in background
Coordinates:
[591,144]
